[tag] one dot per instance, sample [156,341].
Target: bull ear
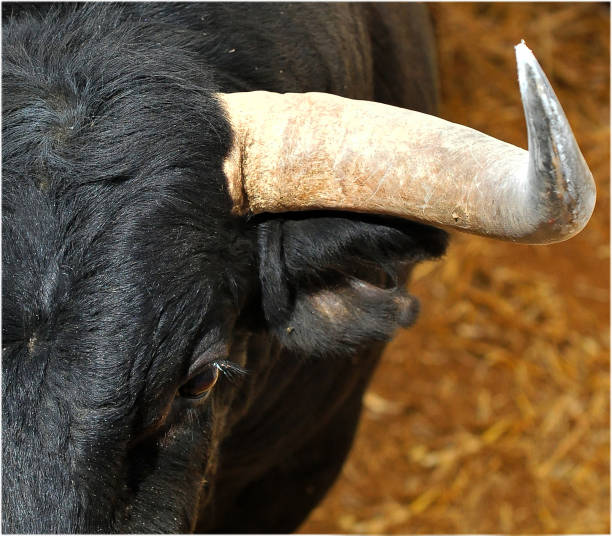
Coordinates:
[332,283]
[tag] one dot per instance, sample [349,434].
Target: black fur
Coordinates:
[122,265]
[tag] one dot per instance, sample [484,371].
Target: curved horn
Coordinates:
[317,151]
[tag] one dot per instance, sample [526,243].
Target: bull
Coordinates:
[210,213]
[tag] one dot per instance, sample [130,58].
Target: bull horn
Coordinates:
[315,151]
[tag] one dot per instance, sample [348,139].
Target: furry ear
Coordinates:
[330,284]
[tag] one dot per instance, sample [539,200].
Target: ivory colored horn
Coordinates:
[315,151]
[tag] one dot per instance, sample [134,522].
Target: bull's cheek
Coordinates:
[167,474]
[183,453]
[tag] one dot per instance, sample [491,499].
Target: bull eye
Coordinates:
[201,384]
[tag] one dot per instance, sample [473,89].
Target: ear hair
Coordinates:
[275,289]
[330,284]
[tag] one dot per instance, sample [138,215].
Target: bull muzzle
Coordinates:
[315,151]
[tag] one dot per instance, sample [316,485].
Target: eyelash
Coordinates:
[230,370]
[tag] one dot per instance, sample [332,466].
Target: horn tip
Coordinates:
[558,171]
[527,64]
[524,55]
[523,52]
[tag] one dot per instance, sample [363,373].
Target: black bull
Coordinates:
[168,366]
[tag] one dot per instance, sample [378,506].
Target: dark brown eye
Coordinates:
[201,384]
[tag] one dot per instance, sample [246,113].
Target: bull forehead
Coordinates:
[112,292]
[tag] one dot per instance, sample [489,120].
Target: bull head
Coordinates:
[126,295]
[315,151]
